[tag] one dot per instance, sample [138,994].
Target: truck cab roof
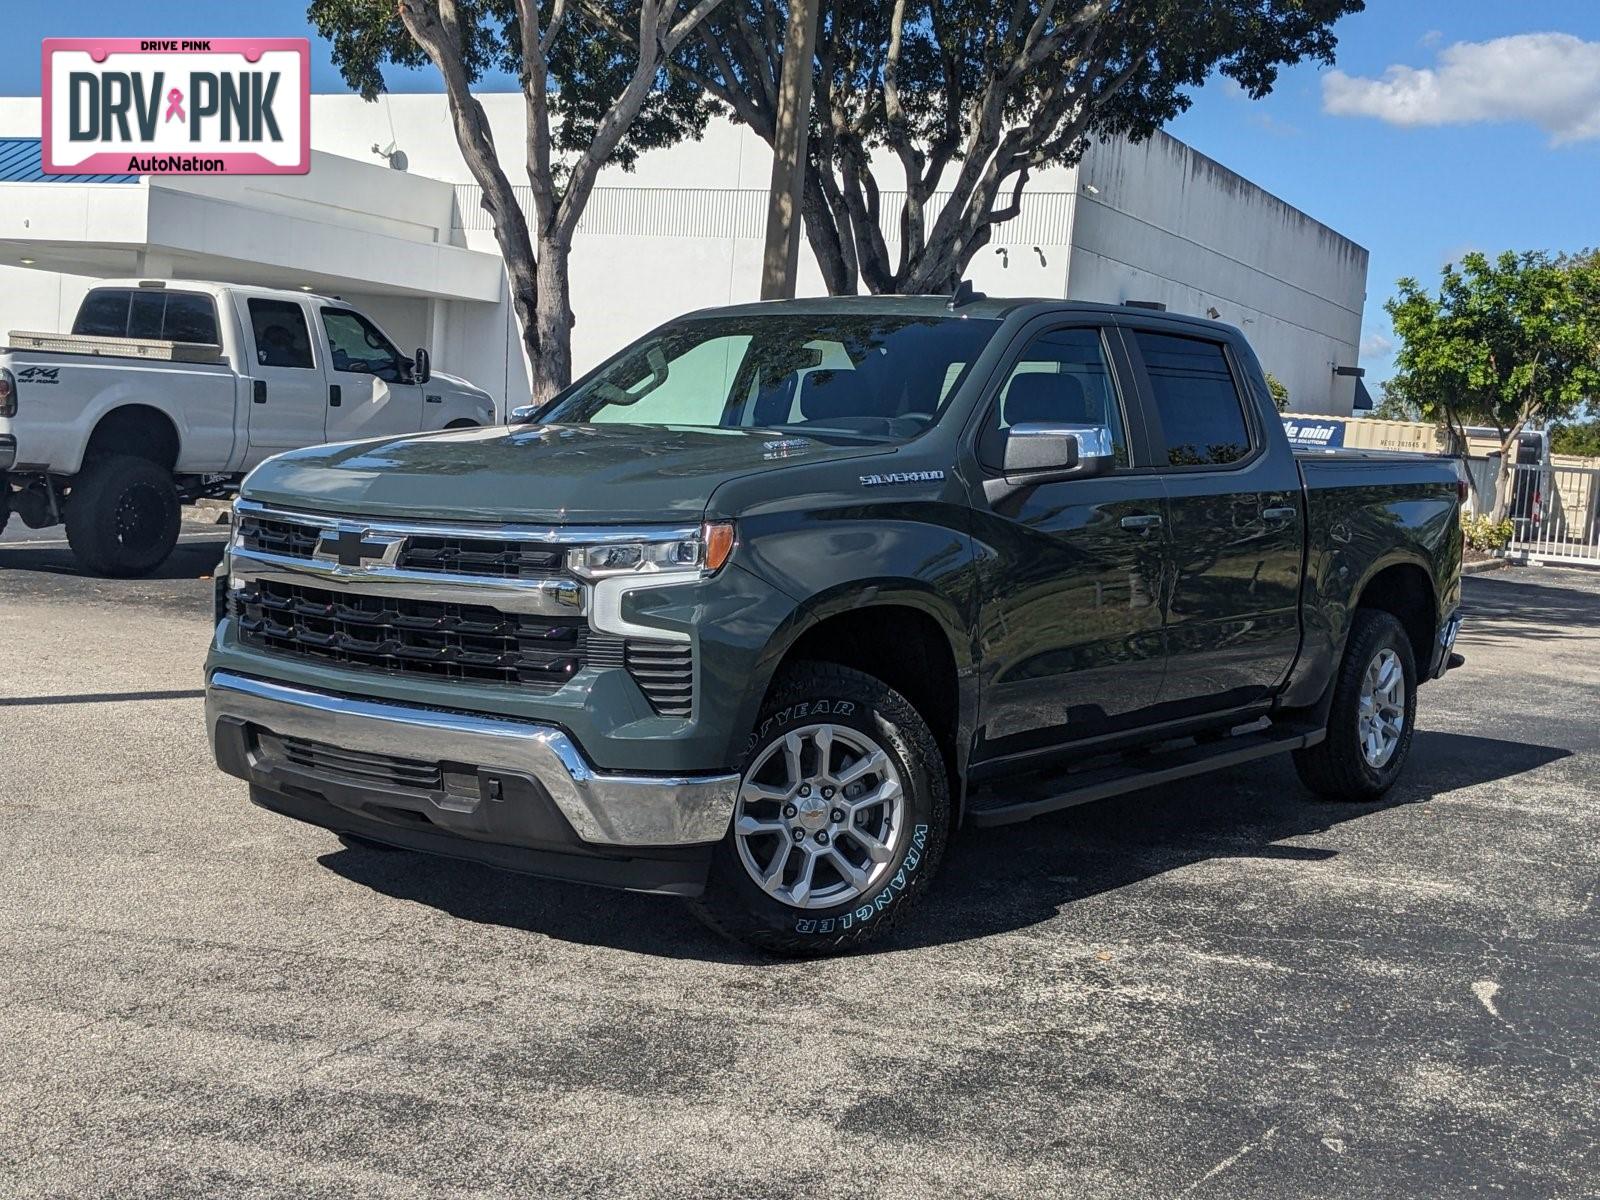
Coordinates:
[989,307]
[212,287]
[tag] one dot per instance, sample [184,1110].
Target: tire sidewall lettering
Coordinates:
[868,909]
[804,710]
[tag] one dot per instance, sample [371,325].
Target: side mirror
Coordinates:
[1040,452]
[421,366]
[521,413]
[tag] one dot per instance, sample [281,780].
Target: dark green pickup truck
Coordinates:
[763,610]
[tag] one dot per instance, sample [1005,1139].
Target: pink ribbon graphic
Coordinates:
[175,105]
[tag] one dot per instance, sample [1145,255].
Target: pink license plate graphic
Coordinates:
[177,106]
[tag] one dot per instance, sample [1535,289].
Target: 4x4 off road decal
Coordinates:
[871,908]
[39,375]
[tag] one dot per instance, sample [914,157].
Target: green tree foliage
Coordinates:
[1280,392]
[1503,343]
[1576,437]
[968,97]
[1394,406]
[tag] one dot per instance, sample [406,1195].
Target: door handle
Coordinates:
[335,395]
[1286,513]
[1143,521]
[258,390]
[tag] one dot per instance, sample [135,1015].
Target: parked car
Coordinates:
[168,391]
[769,606]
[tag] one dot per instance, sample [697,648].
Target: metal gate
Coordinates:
[1555,513]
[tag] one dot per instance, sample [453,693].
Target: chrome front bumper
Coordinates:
[602,809]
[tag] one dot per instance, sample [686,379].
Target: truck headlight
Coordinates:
[702,553]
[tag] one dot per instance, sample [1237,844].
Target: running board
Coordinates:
[1025,798]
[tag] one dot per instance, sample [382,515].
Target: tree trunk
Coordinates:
[1506,477]
[552,321]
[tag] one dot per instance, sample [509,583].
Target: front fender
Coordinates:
[917,555]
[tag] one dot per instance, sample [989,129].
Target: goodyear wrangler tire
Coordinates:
[842,817]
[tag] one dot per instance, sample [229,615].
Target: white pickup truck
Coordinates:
[166,391]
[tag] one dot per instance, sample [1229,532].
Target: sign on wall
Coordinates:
[1314,433]
[170,106]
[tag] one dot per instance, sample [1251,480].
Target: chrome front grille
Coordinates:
[491,605]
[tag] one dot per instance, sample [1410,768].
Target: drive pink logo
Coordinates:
[169,106]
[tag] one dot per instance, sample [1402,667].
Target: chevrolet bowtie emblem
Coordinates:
[356,548]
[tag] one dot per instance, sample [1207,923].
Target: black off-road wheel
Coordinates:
[5,501]
[122,516]
[842,817]
[1373,716]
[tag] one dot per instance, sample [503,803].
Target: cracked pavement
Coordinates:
[1221,988]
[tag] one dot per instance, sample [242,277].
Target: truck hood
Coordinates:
[599,474]
[457,384]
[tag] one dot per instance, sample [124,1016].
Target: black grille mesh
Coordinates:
[414,637]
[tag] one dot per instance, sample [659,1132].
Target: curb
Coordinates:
[204,513]
[1480,568]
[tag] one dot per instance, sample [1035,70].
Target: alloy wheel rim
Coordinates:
[1381,714]
[820,816]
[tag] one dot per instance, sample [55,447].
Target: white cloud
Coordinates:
[1549,79]
[1376,345]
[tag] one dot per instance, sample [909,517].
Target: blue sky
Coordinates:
[1446,125]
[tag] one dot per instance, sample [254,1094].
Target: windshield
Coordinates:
[868,374]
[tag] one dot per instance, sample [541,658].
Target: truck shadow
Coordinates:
[1503,607]
[194,557]
[994,880]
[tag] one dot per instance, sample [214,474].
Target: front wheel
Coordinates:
[1373,715]
[841,820]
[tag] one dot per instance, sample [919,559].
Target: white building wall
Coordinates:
[683,231]
[1164,222]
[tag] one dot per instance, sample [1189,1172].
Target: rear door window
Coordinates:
[1202,418]
[279,329]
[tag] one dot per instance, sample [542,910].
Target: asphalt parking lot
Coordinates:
[1219,989]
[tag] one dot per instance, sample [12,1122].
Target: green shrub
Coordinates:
[1486,535]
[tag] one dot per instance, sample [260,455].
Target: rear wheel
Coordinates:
[1373,715]
[5,501]
[841,820]
[122,515]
